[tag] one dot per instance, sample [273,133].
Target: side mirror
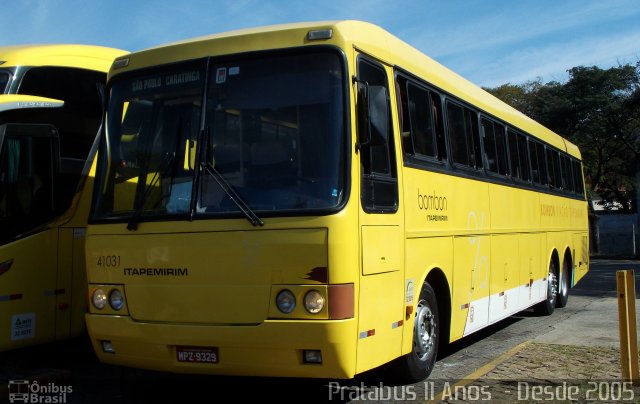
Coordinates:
[373,118]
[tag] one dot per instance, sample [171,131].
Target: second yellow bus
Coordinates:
[50,111]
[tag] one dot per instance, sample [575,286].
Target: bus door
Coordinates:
[381,297]
[28,247]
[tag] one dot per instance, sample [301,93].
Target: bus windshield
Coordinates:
[271,128]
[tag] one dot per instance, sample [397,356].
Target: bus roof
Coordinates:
[89,57]
[365,37]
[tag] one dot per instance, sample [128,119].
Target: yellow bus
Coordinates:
[317,200]
[50,111]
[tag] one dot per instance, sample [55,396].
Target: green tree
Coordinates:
[597,109]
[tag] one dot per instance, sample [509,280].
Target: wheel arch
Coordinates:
[555,258]
[568,259]
[438,281]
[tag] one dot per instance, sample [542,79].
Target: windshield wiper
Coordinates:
[164,166]
[232,194]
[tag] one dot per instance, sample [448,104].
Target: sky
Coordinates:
[490,42]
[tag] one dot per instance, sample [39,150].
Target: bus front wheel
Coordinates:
[418,364]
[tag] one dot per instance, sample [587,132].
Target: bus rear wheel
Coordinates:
[563,286]
[418,364]
[547,306]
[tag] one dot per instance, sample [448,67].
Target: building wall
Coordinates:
[616,235]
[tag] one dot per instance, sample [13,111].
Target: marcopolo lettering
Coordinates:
[432,202]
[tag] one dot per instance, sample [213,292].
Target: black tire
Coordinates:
[563,286]
[547,306]
[418,364]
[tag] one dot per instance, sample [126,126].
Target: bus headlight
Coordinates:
[116,300]
[99,299]
[313,302]
[286,301]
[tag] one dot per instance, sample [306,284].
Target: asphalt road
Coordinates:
[73,363]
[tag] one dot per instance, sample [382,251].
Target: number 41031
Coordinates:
[108,261]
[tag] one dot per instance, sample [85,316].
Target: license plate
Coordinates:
[193,354]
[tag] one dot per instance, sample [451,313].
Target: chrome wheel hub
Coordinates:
[425,331]
[552,287]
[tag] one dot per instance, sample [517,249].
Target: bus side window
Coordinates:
[555,173]
[516,170]
[403,115]
[489,139]
[422,128]
[457,134]
[524,157]
[438,119]
[542,164]
[577,177]
[463,132]
[519,155]
[501,144]
[567,175]
[495,147]
[533,158]
[379,178]
[420,120]
[471,120]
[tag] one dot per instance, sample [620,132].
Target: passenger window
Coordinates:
[495,148]
[550,168]
[567,175]
[514,158]
[421,123]
[553,162]
[501,145]
[421,119]
[459,148]
[465,139]
[438,118]
[577,176]
[533,158]
[524,157]
[403,115]
[542,164]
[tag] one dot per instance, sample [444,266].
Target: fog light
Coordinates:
[286,301]
[313,301]
[99,299]
[107,347]
[312,356]
[116,300]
